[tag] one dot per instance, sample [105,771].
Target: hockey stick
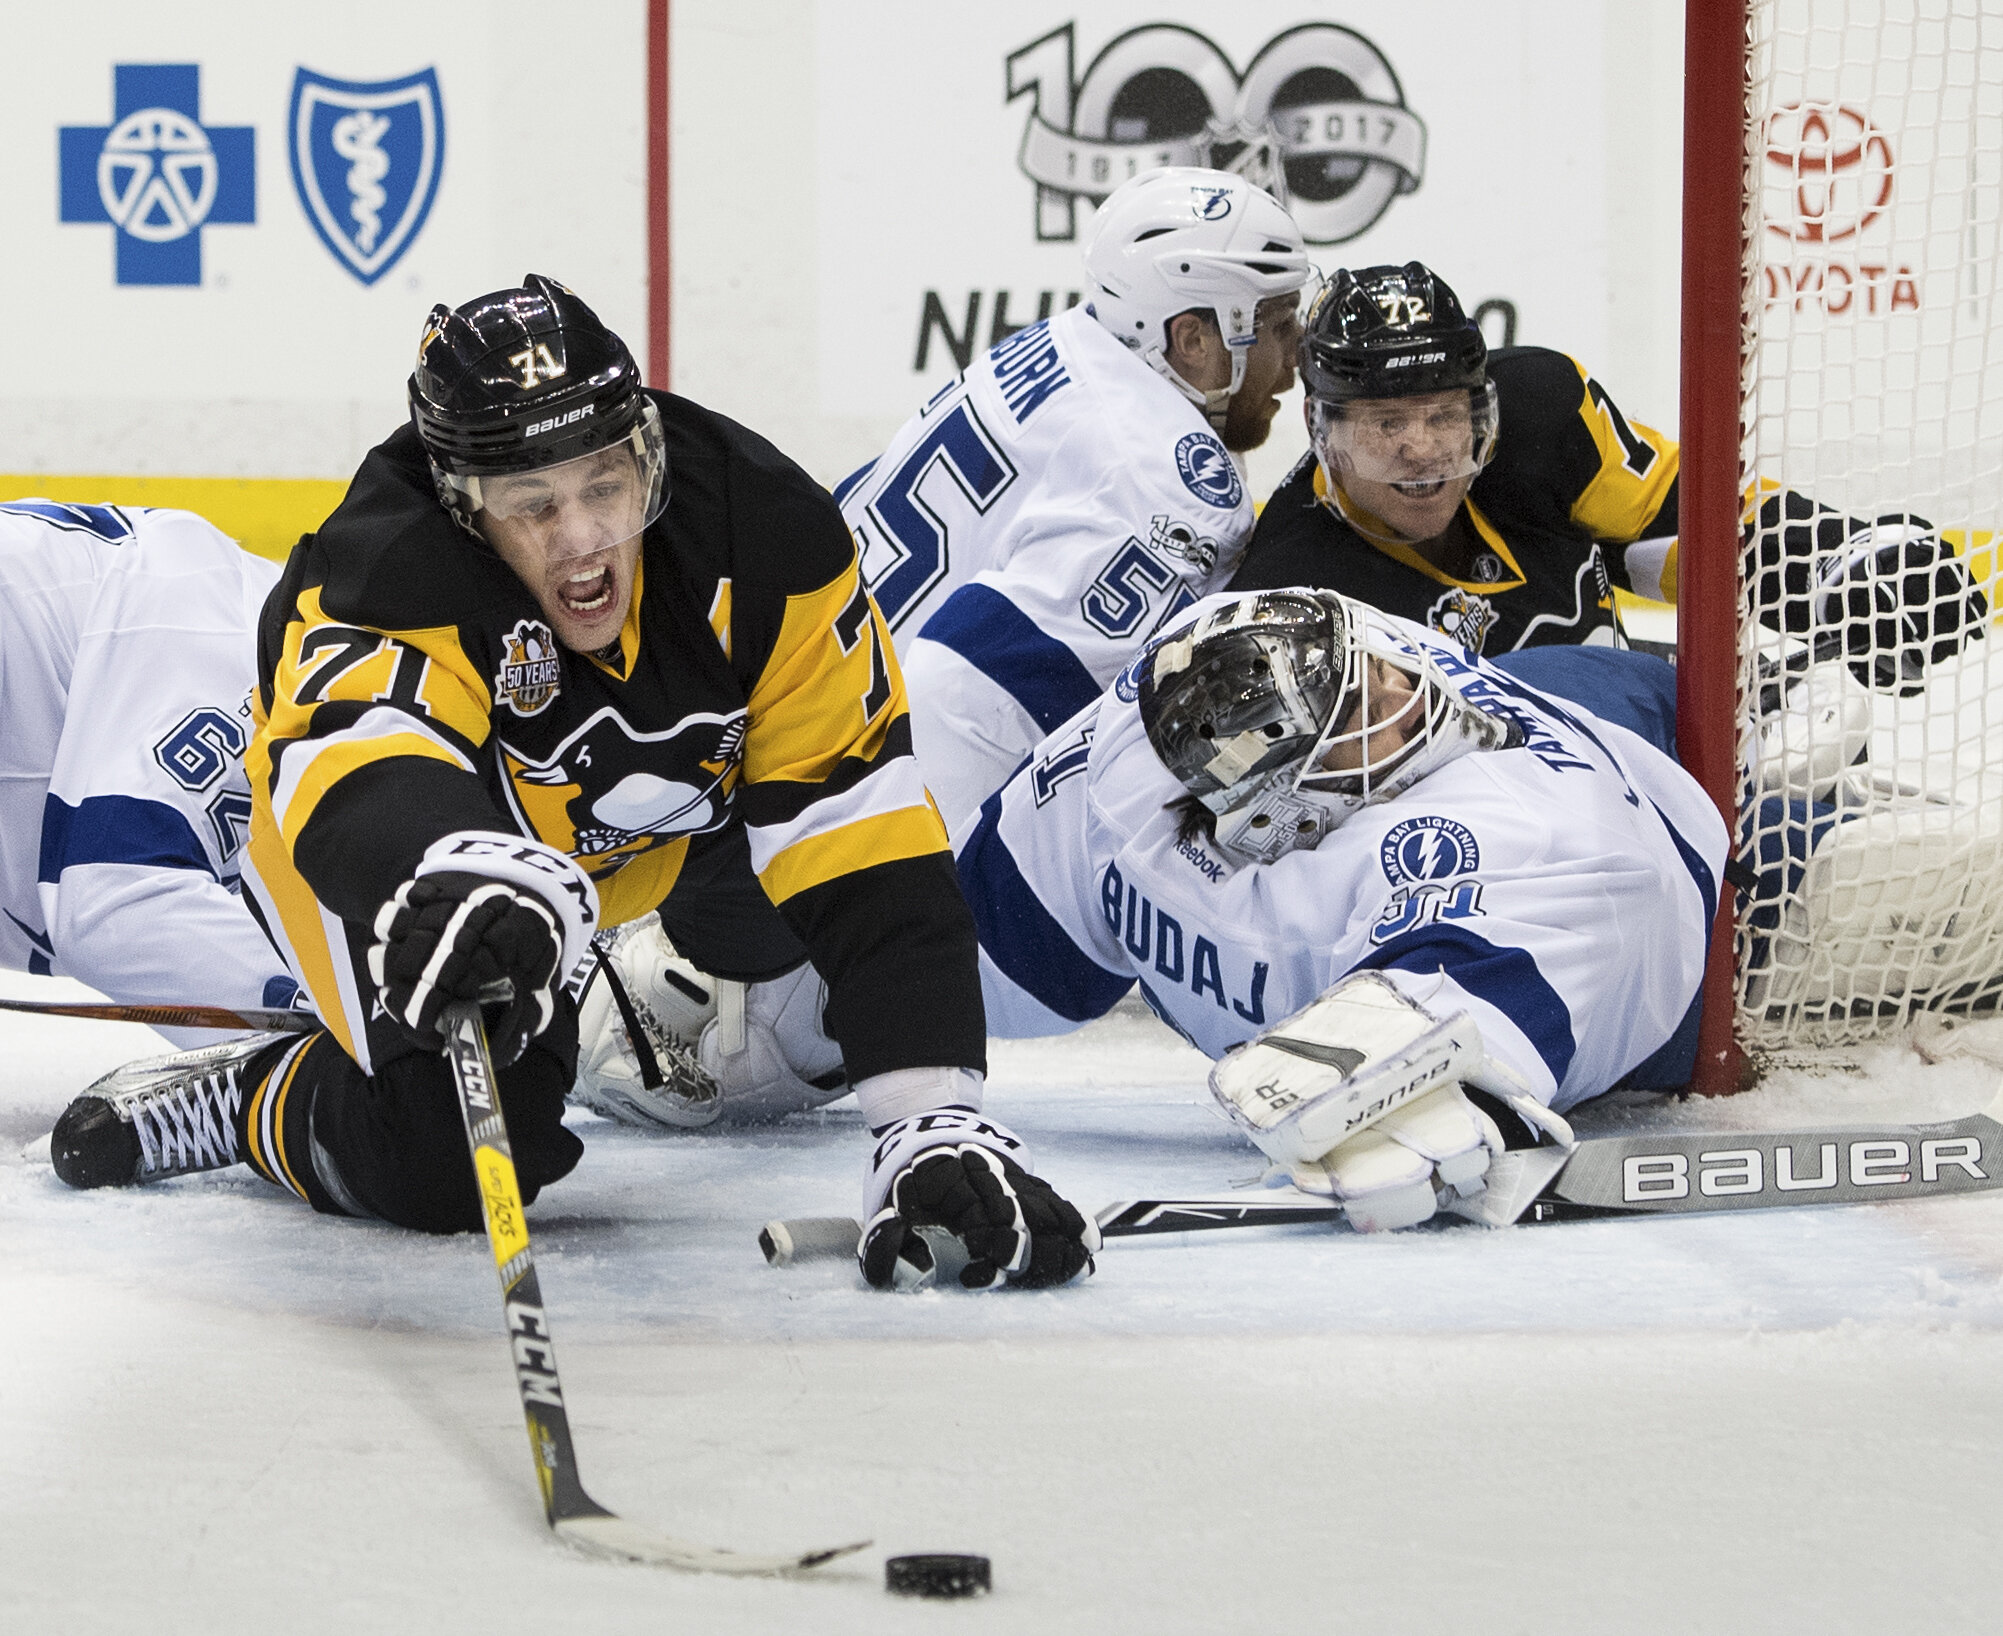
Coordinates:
[574,1515]
[1603,1176]
[172,1016]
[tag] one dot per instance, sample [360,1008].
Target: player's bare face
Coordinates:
[1386,717]
[572,534]
[1269,372]
[1406,460]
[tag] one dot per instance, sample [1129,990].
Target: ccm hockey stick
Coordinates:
[172,1016]
[575,1516]
[1603,1176]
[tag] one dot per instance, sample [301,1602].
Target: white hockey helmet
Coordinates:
[1285,712]
[1183,239]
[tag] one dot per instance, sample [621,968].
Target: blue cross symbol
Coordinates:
[157,174]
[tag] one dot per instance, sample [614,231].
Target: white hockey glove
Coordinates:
[637,1028]
[949,1198]
[1358,1096]
[720,1049]
[488,917]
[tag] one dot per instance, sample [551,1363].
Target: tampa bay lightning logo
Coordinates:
[1207,471]
[1212,204]
[366,158]
[1428,848]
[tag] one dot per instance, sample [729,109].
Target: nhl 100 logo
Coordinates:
[1318,118]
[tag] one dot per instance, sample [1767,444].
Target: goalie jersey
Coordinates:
[1027,531]
[126,663]
[1542,534]
[1559,891]
[744,746]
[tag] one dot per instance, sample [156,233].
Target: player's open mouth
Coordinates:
[588,592]
[1421,489]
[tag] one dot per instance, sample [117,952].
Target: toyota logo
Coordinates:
[1828,173]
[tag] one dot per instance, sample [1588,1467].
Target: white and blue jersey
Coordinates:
[1024,534]
[1561,891]
[126,659]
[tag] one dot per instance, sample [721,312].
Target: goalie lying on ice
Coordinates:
[1295,807]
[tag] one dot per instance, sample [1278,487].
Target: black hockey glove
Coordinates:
[455,935]
[949,1199]
[1894,601]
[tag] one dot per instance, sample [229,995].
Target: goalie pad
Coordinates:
[1820,727]
[1339,1065]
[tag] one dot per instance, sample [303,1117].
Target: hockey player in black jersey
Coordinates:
[571,651]
[1499,498]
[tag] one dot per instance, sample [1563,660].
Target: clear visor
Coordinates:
[584,504]
[1434,437]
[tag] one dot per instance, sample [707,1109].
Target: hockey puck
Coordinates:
[940,1574]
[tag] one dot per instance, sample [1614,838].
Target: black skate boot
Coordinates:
[160,1117]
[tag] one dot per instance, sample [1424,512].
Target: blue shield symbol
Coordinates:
[365,160]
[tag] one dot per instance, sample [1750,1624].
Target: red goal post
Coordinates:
[1842,189]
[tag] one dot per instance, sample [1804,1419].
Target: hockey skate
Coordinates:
[671,1002]
[160,1117]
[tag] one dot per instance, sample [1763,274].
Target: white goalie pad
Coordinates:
[1900,904]
[1338,1065]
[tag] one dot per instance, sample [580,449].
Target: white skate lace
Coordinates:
[186,1125]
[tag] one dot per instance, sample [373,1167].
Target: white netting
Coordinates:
[1873,384]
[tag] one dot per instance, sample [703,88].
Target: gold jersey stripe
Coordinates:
[719,615]
[452,691]
[909,832]
[334,759]
[265,515]
[806,712]
[1617,504]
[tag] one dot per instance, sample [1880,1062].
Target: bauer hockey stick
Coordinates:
[1603,1176]
[574,1515]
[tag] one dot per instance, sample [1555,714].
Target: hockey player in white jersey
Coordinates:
[126,654]
[1295,808]
[1048,510]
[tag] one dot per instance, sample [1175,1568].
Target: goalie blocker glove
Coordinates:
[493,918]
[949,1197]
[1358,1095]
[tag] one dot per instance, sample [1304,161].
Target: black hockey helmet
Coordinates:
[525,380]
[1389,332]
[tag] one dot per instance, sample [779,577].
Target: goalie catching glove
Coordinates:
[949,1198]
[1359,1096]
[493,918]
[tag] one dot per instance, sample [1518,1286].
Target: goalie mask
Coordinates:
[1182,239]
[528,407]
[1286,711]
[1397,379]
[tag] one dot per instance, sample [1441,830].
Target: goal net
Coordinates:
[1866,722]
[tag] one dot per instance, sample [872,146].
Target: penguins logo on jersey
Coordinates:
[606,794]
[1207,471]
[1428,848]
[531,670]
[1463,617]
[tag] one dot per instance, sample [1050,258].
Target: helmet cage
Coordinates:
[1259,769]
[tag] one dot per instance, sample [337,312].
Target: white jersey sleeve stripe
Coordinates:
[1004,644]
[1021,939]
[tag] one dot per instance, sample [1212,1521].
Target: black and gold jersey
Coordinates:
[1572,481]
[752,722]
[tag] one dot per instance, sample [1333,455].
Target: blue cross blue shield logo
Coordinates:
[366,157]
[157,174]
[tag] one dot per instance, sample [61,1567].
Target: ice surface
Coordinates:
[224,1414]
